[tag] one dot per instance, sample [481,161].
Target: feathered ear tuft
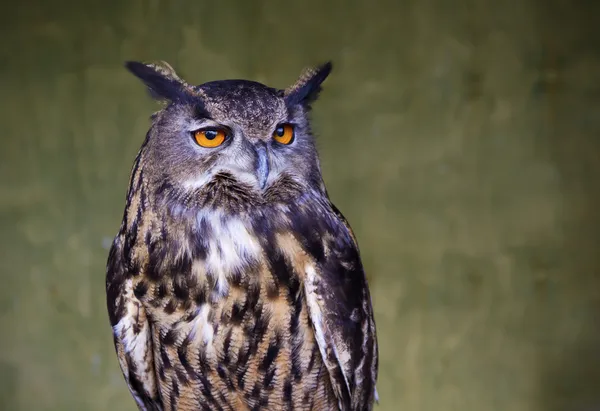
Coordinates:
[306,89]
[161,80]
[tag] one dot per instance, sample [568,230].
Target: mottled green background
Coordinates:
[460,138]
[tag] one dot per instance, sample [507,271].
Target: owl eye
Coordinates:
[210,138]
[284,134]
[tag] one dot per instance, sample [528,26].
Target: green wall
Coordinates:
[460,138]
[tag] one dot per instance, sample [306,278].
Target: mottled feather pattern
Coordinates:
[222,296]
[262,299]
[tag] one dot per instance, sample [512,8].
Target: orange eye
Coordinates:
[209,138]
[284,134]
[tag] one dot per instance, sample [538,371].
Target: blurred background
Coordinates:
[461,139]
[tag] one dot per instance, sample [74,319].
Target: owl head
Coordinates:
[229,143]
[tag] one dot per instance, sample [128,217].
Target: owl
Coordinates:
[234,283]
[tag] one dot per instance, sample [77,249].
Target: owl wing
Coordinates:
[132,331]
[341,312]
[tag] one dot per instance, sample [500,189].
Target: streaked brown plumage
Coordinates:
[234,283]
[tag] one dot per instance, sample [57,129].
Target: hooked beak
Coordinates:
[262,164]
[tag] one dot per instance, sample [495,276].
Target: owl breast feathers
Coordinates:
[234,283]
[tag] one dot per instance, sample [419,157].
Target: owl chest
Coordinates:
[236,319]
[224,275]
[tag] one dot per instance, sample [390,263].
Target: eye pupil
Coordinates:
[280,131]
[210,134]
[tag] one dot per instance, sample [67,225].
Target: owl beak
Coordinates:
[262,165]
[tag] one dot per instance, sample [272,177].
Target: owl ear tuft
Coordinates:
[306,89]
[161,80]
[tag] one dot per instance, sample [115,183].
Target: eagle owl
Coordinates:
[234,283]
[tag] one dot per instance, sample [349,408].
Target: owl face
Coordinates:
[230,136]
